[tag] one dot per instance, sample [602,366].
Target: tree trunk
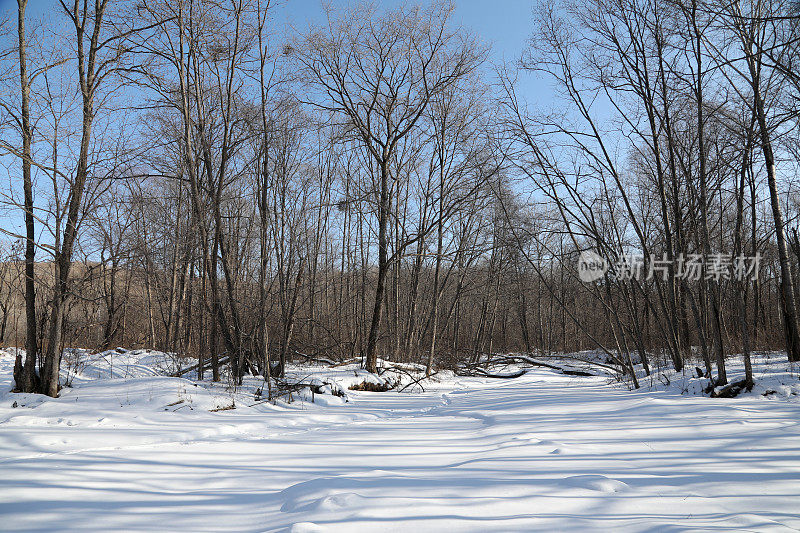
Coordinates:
[371,358]
[25,376]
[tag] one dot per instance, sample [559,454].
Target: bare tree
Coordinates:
[751,24]
[376,74]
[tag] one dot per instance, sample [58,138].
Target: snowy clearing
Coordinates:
[130,449]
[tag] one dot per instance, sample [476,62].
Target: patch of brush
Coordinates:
[369,386]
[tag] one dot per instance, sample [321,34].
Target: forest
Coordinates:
[194,177]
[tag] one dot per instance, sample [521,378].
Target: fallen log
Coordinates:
[317,359]
[483,373]
[479,368]
[732,390]
[206,364]
[534,362]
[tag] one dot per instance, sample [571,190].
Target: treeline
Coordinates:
[193,179]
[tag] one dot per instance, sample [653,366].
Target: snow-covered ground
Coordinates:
[127,448]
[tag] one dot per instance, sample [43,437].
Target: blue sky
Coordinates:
[505,25]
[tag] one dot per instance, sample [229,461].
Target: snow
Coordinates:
[775,378]
[129,448]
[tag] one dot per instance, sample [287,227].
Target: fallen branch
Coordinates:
[414,380]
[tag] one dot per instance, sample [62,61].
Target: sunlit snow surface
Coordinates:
[127,448]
